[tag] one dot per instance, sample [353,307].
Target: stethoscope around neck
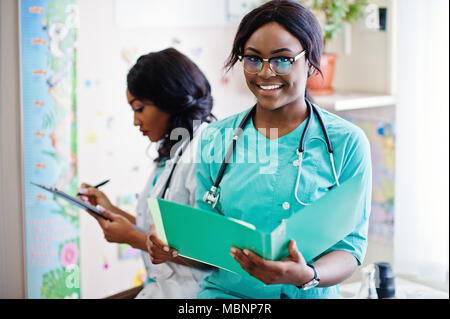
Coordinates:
[212,196]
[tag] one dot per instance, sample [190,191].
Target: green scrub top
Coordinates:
[258,187]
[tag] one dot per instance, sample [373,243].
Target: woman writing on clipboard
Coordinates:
[279,45]
[170,98]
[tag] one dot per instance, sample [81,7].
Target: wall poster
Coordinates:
[48,31]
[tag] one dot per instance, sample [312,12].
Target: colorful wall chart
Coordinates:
[48,74]
[381,135]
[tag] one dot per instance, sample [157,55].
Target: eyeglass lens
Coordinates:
[278,65]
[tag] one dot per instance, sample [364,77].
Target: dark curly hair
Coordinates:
[294,17]
[176,86]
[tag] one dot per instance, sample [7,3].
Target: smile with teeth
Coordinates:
[269,87]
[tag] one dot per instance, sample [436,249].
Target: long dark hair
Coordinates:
[294,17]
[175,85]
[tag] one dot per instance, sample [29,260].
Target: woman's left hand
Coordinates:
[292,270]
[159,251]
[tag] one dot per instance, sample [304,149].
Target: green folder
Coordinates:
[207,236]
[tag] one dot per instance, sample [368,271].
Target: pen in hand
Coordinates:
[96,186]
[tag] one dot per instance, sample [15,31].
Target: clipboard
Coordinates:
[73,200]
[207,237]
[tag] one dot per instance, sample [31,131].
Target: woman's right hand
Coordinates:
[94,196]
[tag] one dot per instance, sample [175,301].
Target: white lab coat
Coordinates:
[172,281]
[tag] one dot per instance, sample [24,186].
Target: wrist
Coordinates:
[311,278]
[307,276]
[114,209]
[138,240]
[123,213]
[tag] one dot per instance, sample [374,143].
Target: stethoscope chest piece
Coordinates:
[211,197]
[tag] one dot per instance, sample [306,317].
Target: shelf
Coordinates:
[344,101]
[404,289]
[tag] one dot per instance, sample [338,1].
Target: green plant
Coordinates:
[333,14]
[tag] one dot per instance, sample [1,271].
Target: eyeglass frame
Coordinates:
[291,60]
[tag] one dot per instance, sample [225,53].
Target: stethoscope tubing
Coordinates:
[232,147]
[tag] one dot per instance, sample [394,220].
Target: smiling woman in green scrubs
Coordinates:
[279,44]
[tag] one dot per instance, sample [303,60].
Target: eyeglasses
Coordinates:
[279,65]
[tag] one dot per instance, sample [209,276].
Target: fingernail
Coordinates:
[233,250]
[84,198]
[232,255]
[83,191]
[166,249]
[246,252]
[100,209]
[174,254]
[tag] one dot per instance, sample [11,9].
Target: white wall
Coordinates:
[12,274]
[102,145]
[422,202]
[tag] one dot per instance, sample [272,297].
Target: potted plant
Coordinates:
[332,15]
